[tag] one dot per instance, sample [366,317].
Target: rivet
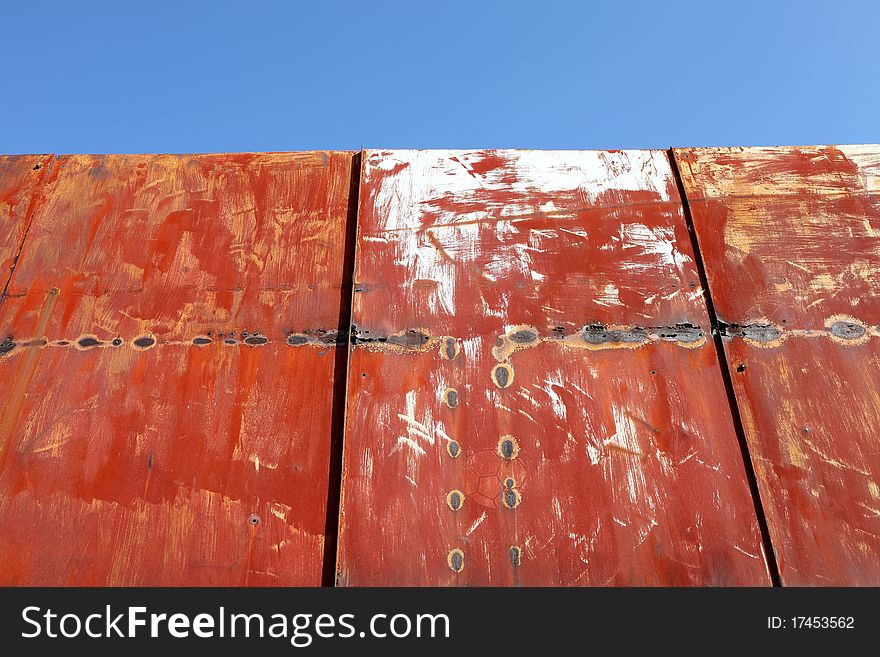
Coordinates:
[450,349]
[450,396]
[144,342]
[524,336]
[511,498]
[455,499]
[508,448]
[847,330]
[455,559]
[515,555]
[502,375]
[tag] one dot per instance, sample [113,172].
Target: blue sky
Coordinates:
[256,76]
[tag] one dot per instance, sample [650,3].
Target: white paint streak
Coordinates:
[578,233]
[592,172]
[440,430]
[656,243]
[471,347]
[748,554]
[556,379]
[414,183]
[279,510]
[414,426]
[609,296]
[557,508]
[593,454]
[261,464]
[409,442]
[477,523]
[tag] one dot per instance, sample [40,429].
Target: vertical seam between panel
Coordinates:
[30,211]
[340,379]
[751,476]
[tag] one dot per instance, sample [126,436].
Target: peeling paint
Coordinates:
[788,236]
[560,297]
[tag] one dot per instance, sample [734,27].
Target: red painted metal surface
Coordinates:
[169,373]
[532,398]
[789,238]
[20,177]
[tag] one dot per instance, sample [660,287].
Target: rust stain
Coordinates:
[22,381]
[789,240]
[21,178]
[533,397]
[592,441]
[797,228]
[181,380]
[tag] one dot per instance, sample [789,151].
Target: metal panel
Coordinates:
[532,398]
[20,176]
[167,401]
[789,237]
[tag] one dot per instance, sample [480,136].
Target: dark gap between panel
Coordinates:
[725,375]
[340,381]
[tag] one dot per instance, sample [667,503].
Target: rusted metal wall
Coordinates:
[169,368]
[533,393]
[790,238]
[532,396]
